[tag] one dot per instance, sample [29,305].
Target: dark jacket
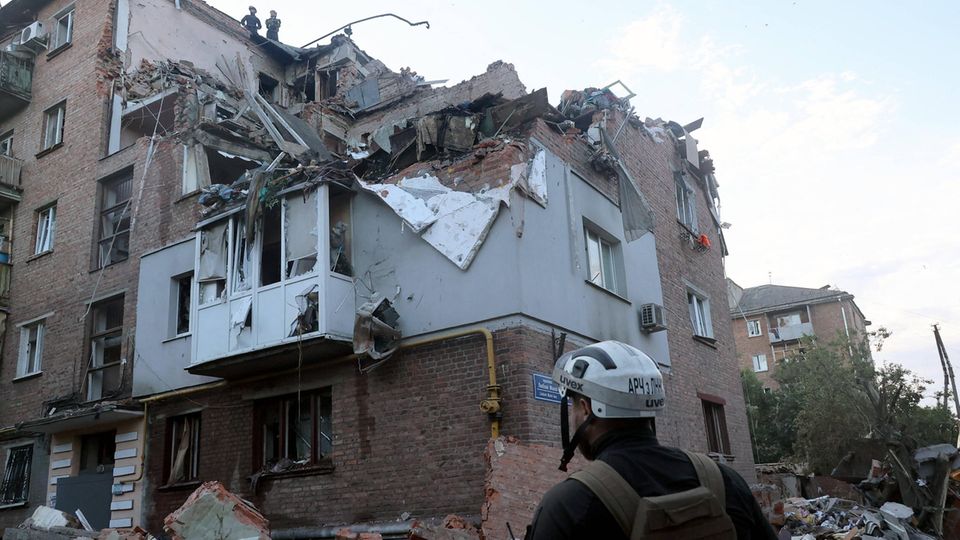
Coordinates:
[570,510]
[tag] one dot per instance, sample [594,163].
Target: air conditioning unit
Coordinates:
[34,37]
[652,318]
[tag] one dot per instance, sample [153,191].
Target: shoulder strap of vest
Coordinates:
[708,472]
[612,490]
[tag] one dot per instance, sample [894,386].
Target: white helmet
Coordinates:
[621,382]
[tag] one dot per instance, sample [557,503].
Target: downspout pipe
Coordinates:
[491,405]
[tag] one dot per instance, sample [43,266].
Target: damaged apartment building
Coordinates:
[323,283]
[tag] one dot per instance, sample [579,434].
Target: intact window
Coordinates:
[183,449]
[53,125]
[62,33]
[716,423]
[31,348]
[106,338]
[753,328]
[114,244]
[604,261]
[46,226]
[699,307]
[760,363]
[686,203]
[6,144]
[297,430]
[15,486]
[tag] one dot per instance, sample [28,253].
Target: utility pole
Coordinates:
[948,373]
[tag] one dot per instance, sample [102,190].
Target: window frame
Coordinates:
[27,359]
[686,203]
[698,305]
[715,424]
[60,112]
[611,279]
[46,229]
[192,470]
[759,327]
[178,308]
[24,482]
[112,182]
[6,144]
[68,13]
[757,359]
[94,365]
[279,405]
[779,317]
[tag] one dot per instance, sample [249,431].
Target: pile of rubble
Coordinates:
[840,519]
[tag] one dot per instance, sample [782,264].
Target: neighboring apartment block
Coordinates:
[770,320]
[323,283]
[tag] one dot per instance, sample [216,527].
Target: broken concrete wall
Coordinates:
[160,31]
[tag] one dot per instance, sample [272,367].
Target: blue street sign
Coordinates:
[545,389]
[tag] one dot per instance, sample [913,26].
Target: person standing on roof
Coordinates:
[251,22]
[273,26]
[633,487]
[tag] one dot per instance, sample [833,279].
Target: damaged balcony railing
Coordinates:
[16,80]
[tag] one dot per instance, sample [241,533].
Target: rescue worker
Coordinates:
[616,392]
[251,22]
[273,26]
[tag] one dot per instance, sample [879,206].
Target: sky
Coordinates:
[830,123]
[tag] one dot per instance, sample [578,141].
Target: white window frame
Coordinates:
[751,324]
[686,203]
[604,272]
[760,363]
[58,23]
[6,144]
[54,114]
[46,229]
[699,306]
[30,361]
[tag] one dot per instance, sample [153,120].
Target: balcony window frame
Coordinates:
[57,114]
[30,349]
[46,229]
[98,339]
[754,324]
[122,209]
[69,14]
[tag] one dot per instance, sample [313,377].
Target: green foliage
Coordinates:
[834,394]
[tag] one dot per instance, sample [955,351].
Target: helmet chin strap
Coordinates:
[570,445]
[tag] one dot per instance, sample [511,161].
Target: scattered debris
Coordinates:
[50,524]
[213,512]
[376,332]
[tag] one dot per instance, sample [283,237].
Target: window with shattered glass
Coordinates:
[106,339]
[295,429]
[212,272]
[341,238]
[300,229]
[241,266]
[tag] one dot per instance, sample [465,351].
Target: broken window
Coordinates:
[270,259]
[226,168]
[604,263]
[301,234]
[328,83]
[699,307]
[753,328]
[183,449]
[212,276]
[46,226]
[6,144]
[106,338]
[182,287]
[241,323]
[145,118]
[269,88]
[96,452]
[686,208]
[340,234]
[53,125]
[788,319]
[759,363]
[31,348]
[15,486]
[718,441]
[241,266]
[297,428]
[62,33]
[196,169]
[114,244]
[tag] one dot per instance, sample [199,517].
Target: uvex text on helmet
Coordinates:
[620,380]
